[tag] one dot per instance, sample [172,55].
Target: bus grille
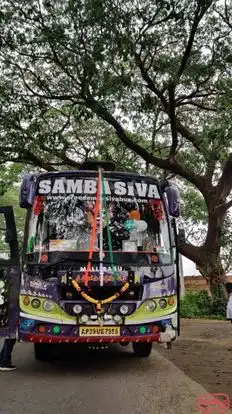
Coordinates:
[101,292]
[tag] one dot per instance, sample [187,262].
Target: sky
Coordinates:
[189,267]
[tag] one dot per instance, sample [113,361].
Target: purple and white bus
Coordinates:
[99,263]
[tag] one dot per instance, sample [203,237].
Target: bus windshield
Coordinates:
[62,221]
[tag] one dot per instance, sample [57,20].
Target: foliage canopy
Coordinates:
[155,77]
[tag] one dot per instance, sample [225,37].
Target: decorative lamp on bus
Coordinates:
[27,191]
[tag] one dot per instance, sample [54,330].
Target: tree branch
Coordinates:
[49,95]
[201,9]
[152,23]
[224,186]
[166,107]
[228,205]
[26,156]
[198,94]
[172,115]
[149,81]
[164,164]
[198,105]
[186,133]
[191,252]
[210,167]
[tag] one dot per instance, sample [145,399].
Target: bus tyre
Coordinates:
[42,352]
[142,349]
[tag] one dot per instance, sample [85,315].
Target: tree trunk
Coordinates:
[207,256]
[219,298]
[216,218]
[216,288]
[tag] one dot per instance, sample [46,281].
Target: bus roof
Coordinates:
[92,173]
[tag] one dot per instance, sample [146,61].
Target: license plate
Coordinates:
[99,331]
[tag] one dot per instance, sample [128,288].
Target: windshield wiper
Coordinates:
[65,260]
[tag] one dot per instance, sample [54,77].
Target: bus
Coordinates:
[99,264]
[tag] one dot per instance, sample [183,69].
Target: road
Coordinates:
[108,382]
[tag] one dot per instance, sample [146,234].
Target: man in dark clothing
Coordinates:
[5,355]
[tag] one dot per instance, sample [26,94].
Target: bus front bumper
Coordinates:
[95,339]
[50,333]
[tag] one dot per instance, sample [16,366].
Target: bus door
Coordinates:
[9,273]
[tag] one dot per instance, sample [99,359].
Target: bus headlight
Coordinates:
[77,309]
[84,318]
[150,305]
[35,303]
[124,309]
[163,303]
[48,305]
[118,319]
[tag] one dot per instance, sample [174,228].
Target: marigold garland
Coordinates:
[97,302]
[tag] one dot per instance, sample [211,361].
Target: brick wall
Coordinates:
[198,282]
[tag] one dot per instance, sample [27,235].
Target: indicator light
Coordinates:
[163,303]
[26,301]
[171,301]
[35,303]
[44,258]
[56,329]
[27,324]
[142,330]
[155,329]
[41,329]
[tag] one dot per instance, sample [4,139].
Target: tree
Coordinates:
[158,74]
[194,219]
[9,195]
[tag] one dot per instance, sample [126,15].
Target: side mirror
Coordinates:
[181,236]
[27,191]
[8,236]
[173,198]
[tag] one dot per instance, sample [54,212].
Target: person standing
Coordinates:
[5,354]
[229,303]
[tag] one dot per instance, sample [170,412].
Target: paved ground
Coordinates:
[106,383]
[204,353]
